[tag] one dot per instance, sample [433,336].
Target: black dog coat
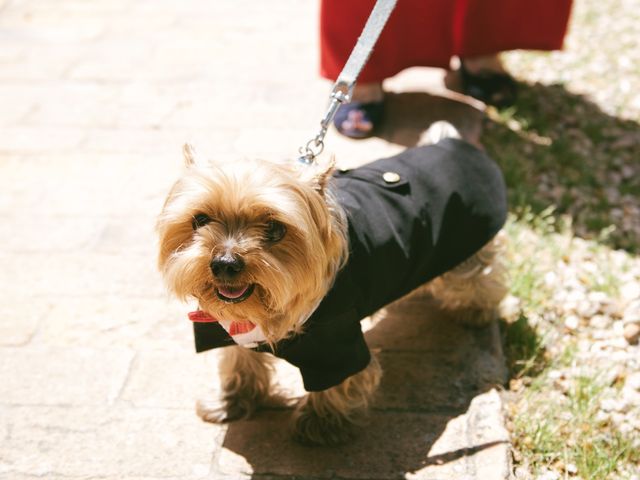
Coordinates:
[411,217]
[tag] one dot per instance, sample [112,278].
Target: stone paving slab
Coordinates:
[152,380]
[99,442]
[19,333]
[435,416]
[43,274]
[97,372]
[63,376]
[396,445]
[136,323]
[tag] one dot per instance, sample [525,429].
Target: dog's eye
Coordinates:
[200,220]
[275,231]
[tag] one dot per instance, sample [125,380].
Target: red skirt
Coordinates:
[429,32]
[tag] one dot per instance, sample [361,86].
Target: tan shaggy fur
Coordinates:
[475,288]
[241,198]
[291,275]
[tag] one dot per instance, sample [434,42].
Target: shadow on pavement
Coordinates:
[433,368]
[409,114]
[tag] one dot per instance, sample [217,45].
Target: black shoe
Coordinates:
[493,88]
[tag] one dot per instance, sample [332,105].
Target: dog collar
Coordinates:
[246,334]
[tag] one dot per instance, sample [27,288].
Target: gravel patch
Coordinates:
[586,390]
[570,151]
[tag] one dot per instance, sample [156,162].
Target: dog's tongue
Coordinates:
[232,292]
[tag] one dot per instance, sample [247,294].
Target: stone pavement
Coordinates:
[98,377]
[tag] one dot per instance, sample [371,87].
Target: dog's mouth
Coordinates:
[235,294]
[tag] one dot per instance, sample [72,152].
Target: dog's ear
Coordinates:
[322,174]
[189,154]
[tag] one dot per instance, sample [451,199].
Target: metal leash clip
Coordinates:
[340,94]
[343,88]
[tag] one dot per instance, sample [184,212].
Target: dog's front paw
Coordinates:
[312,428]
[225,410]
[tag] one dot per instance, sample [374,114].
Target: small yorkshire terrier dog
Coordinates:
[285,259]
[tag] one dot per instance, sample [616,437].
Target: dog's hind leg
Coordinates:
[473,290]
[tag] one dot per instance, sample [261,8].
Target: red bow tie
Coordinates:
[235,328]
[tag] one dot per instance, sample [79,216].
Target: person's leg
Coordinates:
[481,63]
[484,77]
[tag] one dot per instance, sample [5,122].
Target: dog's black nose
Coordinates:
[226,266]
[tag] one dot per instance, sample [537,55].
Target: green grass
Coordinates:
[524,348]
[571,168]
[562,431]
[555,429]
[558,148]
[534,249]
